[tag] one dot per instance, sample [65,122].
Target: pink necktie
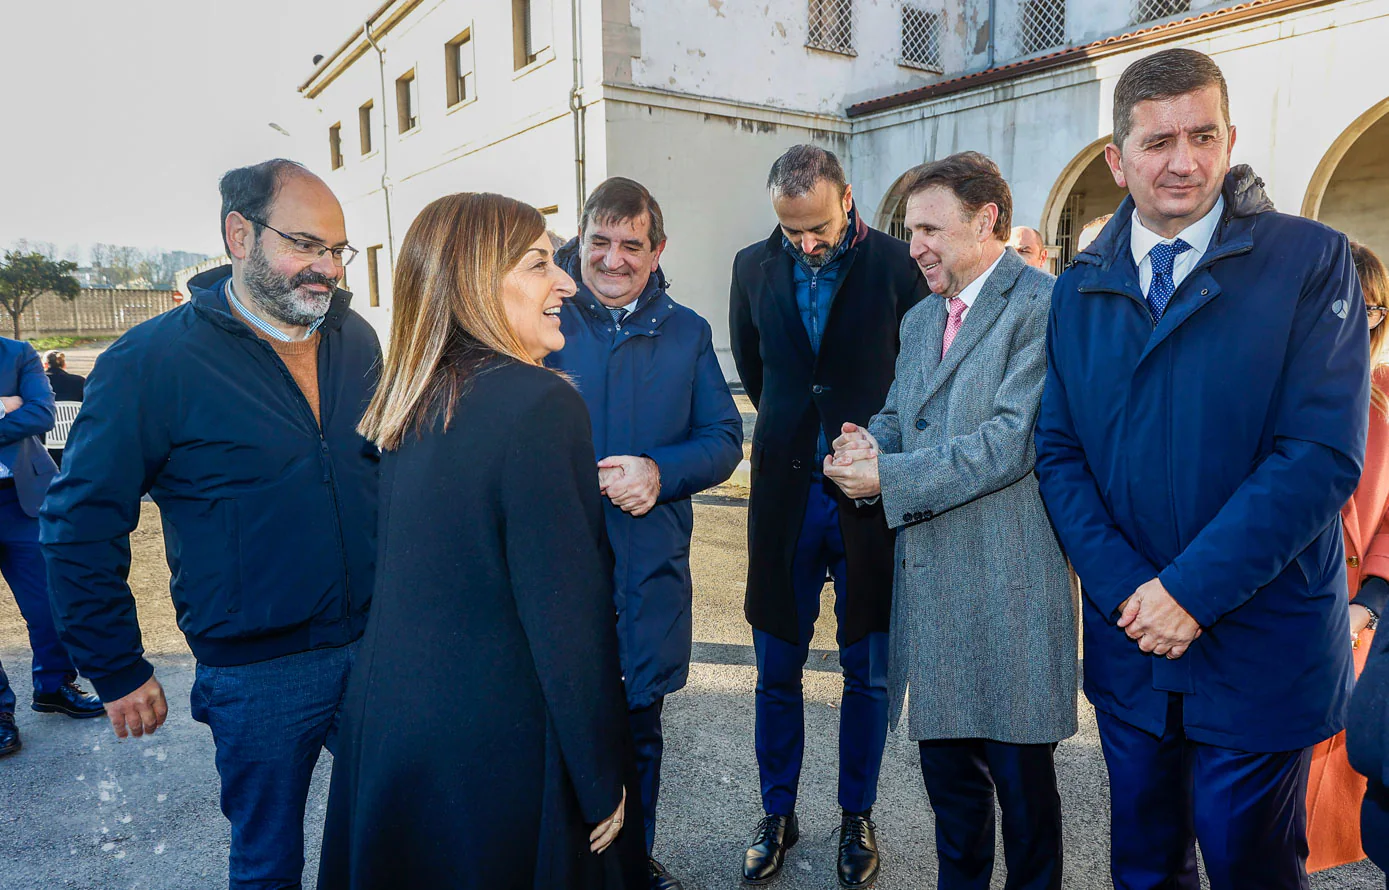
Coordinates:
[952,324]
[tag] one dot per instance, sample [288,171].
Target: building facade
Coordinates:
[543,99]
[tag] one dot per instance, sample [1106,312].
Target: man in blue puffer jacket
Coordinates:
[238,413]
[666,428]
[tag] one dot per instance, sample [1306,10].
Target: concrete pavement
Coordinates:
[81,809]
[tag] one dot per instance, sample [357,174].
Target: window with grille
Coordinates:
[1152,10]
[832,26]
[1043,25]
[922,37]
[897,226]
[1068,228]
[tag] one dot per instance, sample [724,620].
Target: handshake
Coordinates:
[854,464]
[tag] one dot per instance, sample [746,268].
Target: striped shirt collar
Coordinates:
[268,330]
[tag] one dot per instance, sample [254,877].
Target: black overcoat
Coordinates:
[798,393]
[484,730]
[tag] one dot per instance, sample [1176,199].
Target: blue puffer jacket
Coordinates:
[269,521]
[1213,451]
[654,389]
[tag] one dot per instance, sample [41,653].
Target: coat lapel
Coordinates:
[982,315]
[779,290]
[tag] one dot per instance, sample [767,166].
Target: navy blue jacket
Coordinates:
[269,522]
[1213,451]
[21,432]
[654,389]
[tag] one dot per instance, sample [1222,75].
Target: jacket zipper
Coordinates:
[325,457]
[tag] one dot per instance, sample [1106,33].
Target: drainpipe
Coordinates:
[385,143]
[993,12]
[576,105]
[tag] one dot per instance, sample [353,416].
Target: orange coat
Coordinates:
[1334,790]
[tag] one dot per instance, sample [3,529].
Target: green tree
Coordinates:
[24,277]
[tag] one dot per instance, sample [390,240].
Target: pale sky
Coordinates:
[120,117]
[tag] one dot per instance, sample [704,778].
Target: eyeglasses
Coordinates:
[1376,313]
[308,249]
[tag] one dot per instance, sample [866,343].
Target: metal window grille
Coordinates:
[897,225]
[832,26]
[1152,10]
[1068,227]
[921,38]
[1043,25]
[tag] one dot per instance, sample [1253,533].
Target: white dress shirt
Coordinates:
[972,290]
[1142,240]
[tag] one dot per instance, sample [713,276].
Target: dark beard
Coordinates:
[278,297]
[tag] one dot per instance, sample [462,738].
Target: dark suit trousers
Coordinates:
[21,563]
[649,744]
[780,734]
[1248,810]
[962,778]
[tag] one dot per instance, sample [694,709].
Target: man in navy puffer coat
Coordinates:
[665,427]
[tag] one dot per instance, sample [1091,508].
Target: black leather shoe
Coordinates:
[70,699]
[858,850]
[9,734]
[775,835]
[660,878]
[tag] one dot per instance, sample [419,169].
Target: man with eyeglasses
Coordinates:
[238,414]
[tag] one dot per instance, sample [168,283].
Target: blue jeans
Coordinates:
[269,721]
[21,562]
[1248,810]
[780,703]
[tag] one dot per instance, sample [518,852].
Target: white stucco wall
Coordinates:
[707,166]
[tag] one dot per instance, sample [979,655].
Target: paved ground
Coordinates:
[80,809]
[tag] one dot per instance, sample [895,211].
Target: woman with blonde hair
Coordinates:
[484,733]
[1334,789]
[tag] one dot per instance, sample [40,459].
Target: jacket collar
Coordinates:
[207,294]
[648,313]
[1245,199]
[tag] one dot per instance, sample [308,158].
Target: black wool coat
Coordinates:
[484,731]
[797,393]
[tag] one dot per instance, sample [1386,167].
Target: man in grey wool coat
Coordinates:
[984,611]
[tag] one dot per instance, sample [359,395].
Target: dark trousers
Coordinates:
[780,737]
[21,563]
[646,735]
[962,778]
[269,722]
[1248,810]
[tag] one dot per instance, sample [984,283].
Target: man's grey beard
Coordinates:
[278,297]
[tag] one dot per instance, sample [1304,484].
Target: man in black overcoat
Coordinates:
[814,315]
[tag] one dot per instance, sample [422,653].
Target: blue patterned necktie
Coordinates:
[619,315]
[1162,287]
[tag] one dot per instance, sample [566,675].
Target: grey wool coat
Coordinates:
[984,607]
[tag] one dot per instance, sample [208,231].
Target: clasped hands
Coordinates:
[1157,622]
[854,464]
[631,483]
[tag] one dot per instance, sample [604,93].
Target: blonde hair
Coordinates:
[448,316]
[1374,282]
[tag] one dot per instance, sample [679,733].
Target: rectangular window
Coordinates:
[335,145]
[922,38]
[831,26]
[1043,25]
[530,30]
[407,102]
[1152,10]
[364,124]
[458,68]
[373,276]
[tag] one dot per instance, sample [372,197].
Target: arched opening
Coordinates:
[892,214]
[1351,186]
[1083,191]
